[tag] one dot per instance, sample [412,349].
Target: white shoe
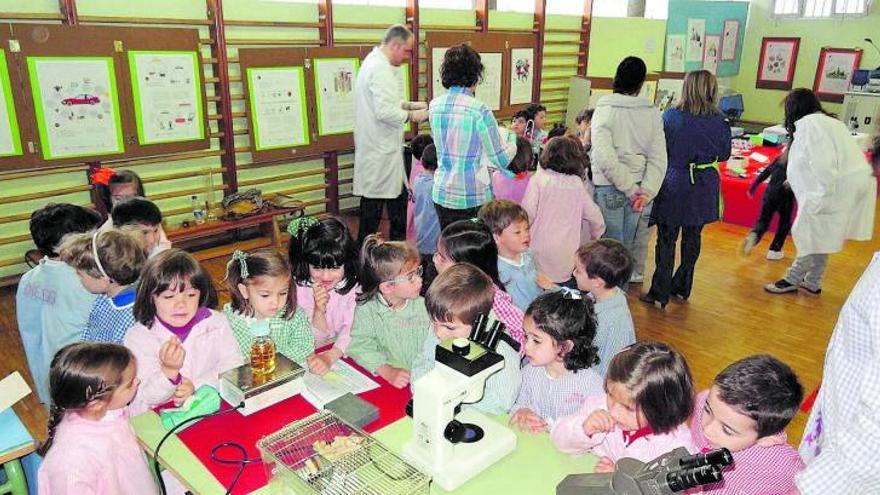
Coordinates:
[637,278]
[748,244]
[775,255]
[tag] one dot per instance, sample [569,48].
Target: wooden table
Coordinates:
[267,221]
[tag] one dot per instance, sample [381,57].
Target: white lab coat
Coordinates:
[378,130]
[834,186]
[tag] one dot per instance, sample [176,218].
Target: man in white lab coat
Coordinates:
[380,115]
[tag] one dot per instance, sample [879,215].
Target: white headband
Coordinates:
[95,253]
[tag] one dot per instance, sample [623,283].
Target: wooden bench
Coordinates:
[266,221]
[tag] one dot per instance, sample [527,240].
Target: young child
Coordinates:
[778,199]
[560,327]
[518,123]
[51,305]
[180,343]
[264,300]
[108,263]
[746,411]
[426,221]
[113,186]
[601,268]
[142,216]
[91,446]
[648,399]
[390,321]
[324,263]
[558,205]
[583,121]
[471,241]
[454,300]
[513,188]
[509,224]
[417,146]
[537,115]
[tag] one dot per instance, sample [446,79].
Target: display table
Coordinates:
[739,208]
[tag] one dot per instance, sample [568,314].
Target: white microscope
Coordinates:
[452,444]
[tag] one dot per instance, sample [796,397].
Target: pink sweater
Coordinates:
[559,206]
[211,350]
[569,437]
[504,187]
[340,314]
[414,172]
[95,457]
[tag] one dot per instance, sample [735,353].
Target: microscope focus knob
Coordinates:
[461,347]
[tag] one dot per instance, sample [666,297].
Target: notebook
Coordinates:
[340,380]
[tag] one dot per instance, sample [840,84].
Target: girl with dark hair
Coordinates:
[834,187]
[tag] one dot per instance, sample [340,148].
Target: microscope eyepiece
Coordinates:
[719,457]
[684,479]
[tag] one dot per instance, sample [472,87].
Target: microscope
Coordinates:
[672,472]
[452,444]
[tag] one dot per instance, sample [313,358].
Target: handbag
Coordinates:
[243,204]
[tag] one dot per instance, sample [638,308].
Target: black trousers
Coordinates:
[371,215]
[448,215]
[781,202]
[664,282]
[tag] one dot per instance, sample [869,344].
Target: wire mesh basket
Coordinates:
[324,454]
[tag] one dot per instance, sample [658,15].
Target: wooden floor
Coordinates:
[729,316]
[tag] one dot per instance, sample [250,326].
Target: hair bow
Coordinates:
[569,293]
[241,257]
[300,224]
[103,175]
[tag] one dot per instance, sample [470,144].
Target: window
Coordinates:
[819,9]
[447,4]
[656,9]
[377,3]
[565,7]
[525,6]
[609,8]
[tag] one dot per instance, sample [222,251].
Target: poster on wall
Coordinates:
[489,89]
[277,101]
[668,93]
[10,141]
[777,62]
[730,38]
[675,53]
[167,92]
[402,75]
[712,53]
[437,55]
[649,91]
[834,72]
[334,92]
[76,105]
[696,34]
[522,66]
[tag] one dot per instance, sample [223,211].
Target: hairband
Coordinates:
[569,293]
[103,175]
[241,257]
[300,224]
[95,253]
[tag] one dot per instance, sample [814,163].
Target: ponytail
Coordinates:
[382,261]
[56,414]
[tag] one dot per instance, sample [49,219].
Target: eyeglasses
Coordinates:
[408,279]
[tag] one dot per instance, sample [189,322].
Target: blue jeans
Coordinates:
[624,224]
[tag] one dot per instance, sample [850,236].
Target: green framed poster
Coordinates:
[77,106]
[403,88]
[277,102]
[10,139]
[167,93]
[334,94]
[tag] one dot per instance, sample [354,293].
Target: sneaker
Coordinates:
[812,291]
[775,255]
[637,278]
[781,286]
[748,243]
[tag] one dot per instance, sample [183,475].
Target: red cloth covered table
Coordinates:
[739,209]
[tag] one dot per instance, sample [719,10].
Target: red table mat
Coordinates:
[247,430]
[739,208]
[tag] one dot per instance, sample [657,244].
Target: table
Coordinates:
[265,220]
[739,209]
[15,443]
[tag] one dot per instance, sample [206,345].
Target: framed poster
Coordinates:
[696,34]
[334,94]
[277,100]
[675,53]
[834,72]
[729,39]
[167,93]
[489,89]
[712,53]
[522,71]
[777,62]
[10,139]
[77,106]
[437,88]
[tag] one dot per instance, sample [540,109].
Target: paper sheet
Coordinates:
[13,388]
[730,38]
[522,67]
[10,141]
[76,104]
[334,91]
[696,34]
[437,88]
[278,108]
[489,90]
[340,380]
[167,91]
[712,53]
[675,53]
[668,93]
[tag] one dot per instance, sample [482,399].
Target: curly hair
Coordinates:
[461,67]
[565,319]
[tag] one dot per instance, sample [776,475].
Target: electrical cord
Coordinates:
[242,462]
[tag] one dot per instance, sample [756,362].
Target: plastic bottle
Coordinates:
[262,349]
[198,211]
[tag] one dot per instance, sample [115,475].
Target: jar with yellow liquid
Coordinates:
[262,349]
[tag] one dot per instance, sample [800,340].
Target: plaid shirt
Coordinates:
[510,315]
[292,337]
[110,318]
[464,131]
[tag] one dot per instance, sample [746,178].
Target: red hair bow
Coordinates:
[103,175]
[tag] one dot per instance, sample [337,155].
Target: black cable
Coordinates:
[243,462]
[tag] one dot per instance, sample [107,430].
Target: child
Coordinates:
[601,268]
[325,267]
[107,263]
[180,343]
[537,115]
[648,399]
[427,224]
[454,300]
[509,224]
[560,327]
[262,290]
[91,446]
[390,321]
[778,199]
[518,123]
[142,216]
[583,121]
[417,146]
[506,187]
[471,241]
[113,186]
[746,411]
[51,305]
[558,203]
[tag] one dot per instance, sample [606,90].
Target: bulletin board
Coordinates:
[688,25]
[496,51]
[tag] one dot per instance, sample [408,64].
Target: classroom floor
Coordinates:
[729,315]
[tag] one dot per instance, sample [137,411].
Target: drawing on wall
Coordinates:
[712,53]
[167,92]
[834,72]
[730,38]
[668,93]
[76,105]
[696,34]
[777,62]
[649,90]
[437,55]
[489,89]
[334,92]
[10,141]
[675,53]
[522,61]
[277,99]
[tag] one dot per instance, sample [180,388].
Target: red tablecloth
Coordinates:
[739,209]
[246,430]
